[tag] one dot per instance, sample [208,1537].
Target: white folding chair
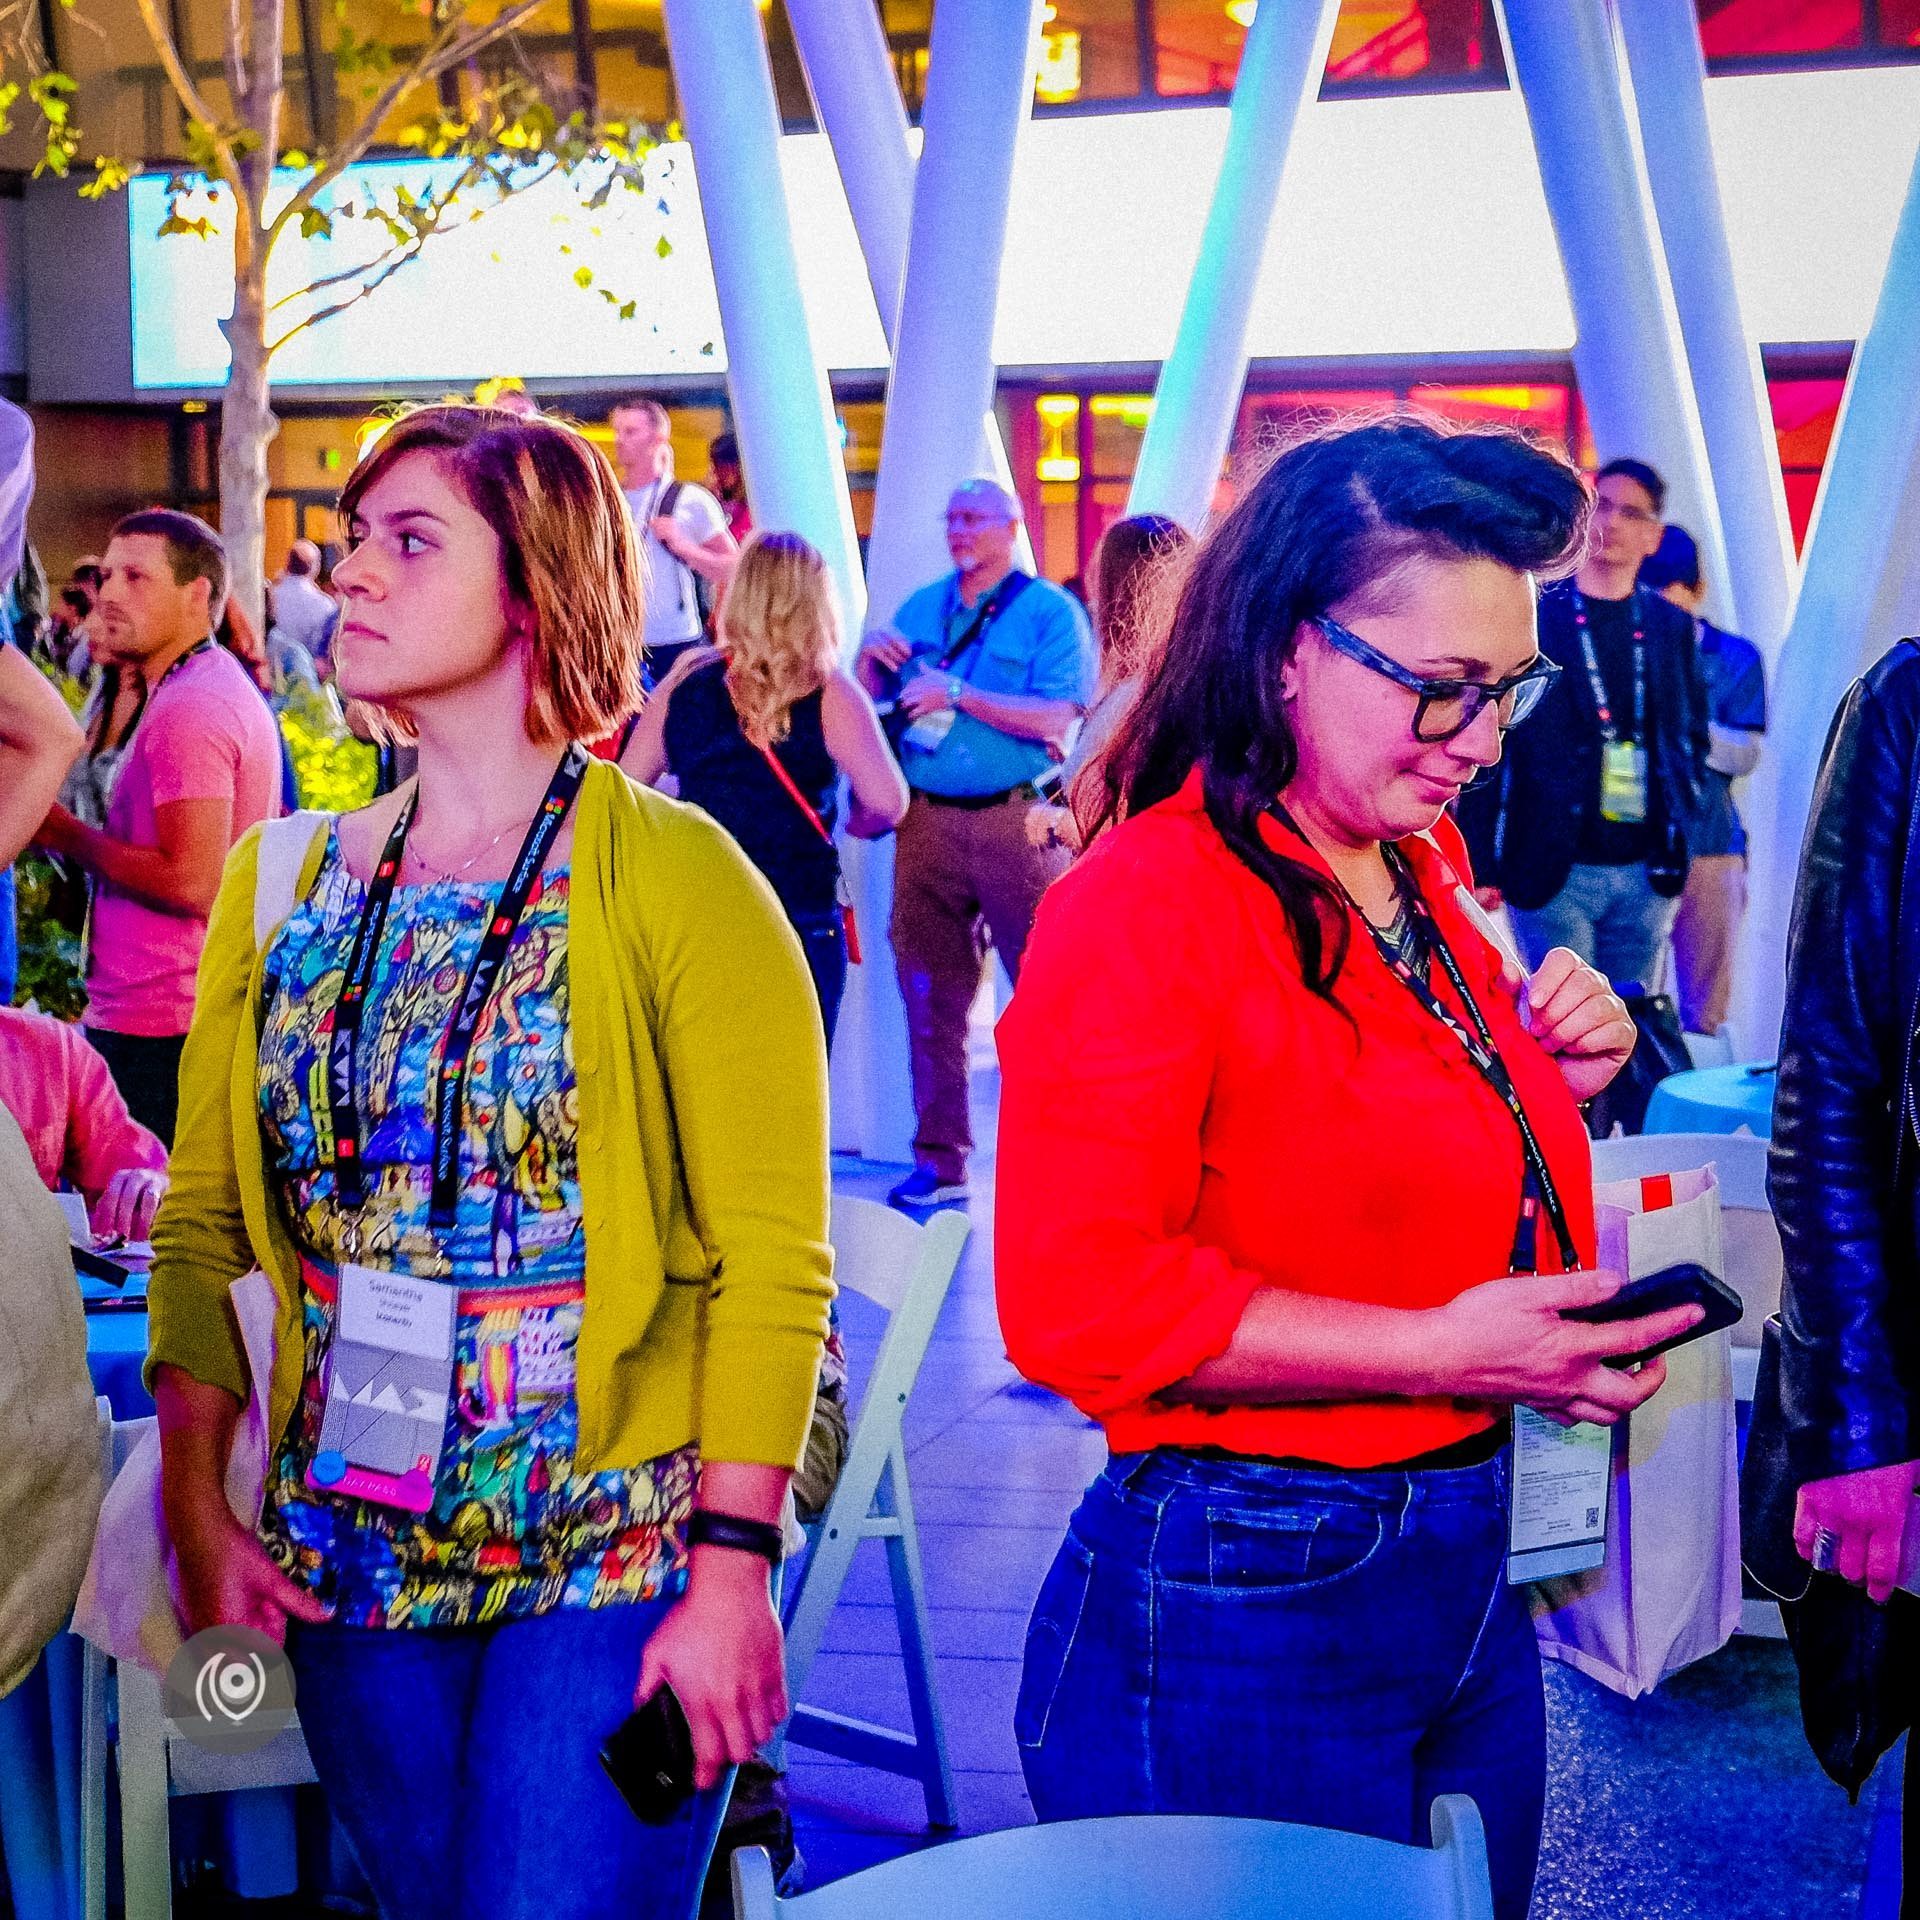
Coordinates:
[905,1267]
[1711,1049]
[1754,1263]
[1155,1866]
[157,1764]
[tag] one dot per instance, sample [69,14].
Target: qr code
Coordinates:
[1593,1516]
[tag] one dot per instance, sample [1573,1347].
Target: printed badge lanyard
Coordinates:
[1537,1188]
[342,1092]
[98,744]
[1608,731]
[985,615]
[842,899]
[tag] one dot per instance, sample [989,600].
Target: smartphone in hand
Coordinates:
[1687,1284]
[649,1757]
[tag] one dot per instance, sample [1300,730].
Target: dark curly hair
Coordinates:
[1334,519]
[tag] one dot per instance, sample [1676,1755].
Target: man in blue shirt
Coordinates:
[1715,900]
[986,673]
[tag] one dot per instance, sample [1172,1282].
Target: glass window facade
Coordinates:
[1804,412]
[1094,53]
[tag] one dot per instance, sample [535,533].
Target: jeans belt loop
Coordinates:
[1131,1478]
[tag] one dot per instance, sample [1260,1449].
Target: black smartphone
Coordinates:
[97,1266]
[1685,1285]
[649,1757]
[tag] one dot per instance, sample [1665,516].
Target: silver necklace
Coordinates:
[454,873]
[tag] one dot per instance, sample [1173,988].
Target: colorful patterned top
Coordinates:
[513,1531]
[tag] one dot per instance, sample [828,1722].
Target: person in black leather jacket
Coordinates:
[1843,1164]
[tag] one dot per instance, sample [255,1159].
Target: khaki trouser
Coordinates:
[1704,933]
[960,876]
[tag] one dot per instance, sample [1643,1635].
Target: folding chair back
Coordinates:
[1156,1867]
[906,1268]
[157,1764]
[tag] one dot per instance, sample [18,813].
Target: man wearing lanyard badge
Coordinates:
[984,674]
[1581,830]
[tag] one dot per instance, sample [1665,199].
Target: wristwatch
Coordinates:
[708,1529]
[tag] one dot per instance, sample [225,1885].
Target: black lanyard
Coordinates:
[1608,731]
[1537,1185]
[98,744]
[1537,1188]
[988,611]
[342,1072]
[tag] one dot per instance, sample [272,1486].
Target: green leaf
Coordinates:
[583,277]
[109,176]
[294,158]
[663,246]
[315,224]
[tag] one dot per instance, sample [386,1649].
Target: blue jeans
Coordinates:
[464,1764]
[1231,1636]
[9,940]
[1610,916]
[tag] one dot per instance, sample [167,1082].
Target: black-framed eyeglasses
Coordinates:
[1447,707]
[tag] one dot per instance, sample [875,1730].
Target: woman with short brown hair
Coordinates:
[503,1134]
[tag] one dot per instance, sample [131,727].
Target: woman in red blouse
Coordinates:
[1293,1185]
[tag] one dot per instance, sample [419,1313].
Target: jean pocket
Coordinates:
[1050,1637]
[1288,1549]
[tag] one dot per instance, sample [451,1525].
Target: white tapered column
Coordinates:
[1859,593]
[1628,353]
[1198,393]
[1669,75]
[978,92]
[782,405]
[856,98]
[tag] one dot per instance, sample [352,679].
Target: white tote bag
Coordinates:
[129,1605]
[1669,1591]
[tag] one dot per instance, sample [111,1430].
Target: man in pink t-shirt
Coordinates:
[204,766]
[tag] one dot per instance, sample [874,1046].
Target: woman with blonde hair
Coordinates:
[758,731]
[483,1109]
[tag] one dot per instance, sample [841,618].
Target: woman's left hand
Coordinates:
[1571,1010]
[720,1651]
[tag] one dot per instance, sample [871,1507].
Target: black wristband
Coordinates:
[709,1529]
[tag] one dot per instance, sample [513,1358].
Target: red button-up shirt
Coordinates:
[1183,1122]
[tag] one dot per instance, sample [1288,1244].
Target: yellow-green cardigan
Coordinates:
[703,1147]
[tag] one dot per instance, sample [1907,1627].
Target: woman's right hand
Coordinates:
[1505,1340]
[228,1579]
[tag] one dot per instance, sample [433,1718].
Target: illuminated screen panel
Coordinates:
[1406,226]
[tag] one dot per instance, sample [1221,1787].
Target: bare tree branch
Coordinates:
[233,52]
[473,171]
[447,49]
[189,95]
[388,264]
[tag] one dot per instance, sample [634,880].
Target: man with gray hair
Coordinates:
[988,670]
[303,613]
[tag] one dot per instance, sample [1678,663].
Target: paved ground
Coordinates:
[1699,1802]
